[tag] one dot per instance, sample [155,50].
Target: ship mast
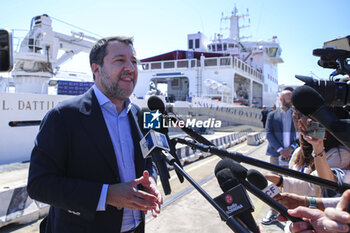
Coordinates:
[234,24]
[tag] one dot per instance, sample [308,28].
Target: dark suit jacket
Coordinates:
[72,158]
[274,133]
[264,114]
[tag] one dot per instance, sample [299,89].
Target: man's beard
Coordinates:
[286,105]
[112,90]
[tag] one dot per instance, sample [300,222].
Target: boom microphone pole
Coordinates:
[230,220]
[156,145]
[239,173]
[340,188]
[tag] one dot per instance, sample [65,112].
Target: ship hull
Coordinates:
[20,116]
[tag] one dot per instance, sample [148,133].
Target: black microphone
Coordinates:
[235,200]
[259,180]
[240,173]
[152,145]
[309,102]
[152,102]
[155,103]
[340,188]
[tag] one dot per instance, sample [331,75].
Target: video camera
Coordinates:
[335,54]
[6,62]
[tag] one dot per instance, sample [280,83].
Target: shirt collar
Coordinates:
[288,111]
[102,99]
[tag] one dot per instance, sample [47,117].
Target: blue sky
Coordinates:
[160,26]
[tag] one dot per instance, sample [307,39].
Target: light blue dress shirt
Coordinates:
[119,130]
[287,122]
[287,127]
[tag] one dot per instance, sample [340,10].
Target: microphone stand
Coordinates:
[230,220]
[340,188]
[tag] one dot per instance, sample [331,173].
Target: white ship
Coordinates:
[230,70]
[209,78]
[24,93]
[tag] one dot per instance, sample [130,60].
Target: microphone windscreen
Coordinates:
[257,179]
[237,170]
[155,103]
[306,100]
[226,179]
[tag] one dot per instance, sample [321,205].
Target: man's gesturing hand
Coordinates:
[124,195]
[150,186]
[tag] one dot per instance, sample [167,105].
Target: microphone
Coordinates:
[152,144]
[259,180]
[340,188]
[152,102]
[240,173]
[309,102]
[235,200]
[155,103]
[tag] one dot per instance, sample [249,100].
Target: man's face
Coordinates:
[287,100]
[118,75]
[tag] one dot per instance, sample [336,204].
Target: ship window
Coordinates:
[225,47]
[209,47]
[272,52]
[197,43]
[169,64]
[231,45]
[219,47]
[175,83]
[213,47]
[156,65]
[225,61]
[182,64]
[190,44]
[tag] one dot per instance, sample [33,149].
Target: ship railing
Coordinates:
[171,64]
[242,66]
[211,62]
[19,35]
[234,62]
[218,61]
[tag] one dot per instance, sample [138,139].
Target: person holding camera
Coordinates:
[334,155]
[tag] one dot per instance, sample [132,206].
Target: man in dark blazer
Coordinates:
[87,162]
[264,114]
[281,137]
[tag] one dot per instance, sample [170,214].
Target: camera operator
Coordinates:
[314,101]
[331,154]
